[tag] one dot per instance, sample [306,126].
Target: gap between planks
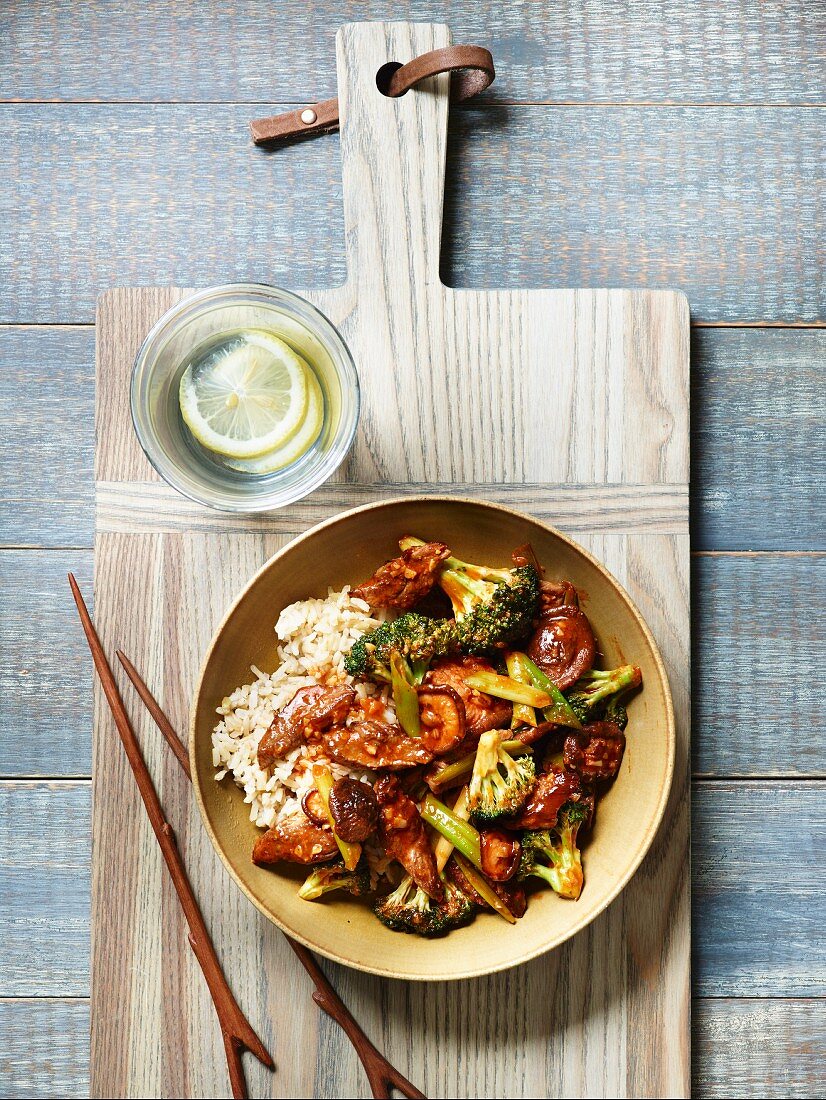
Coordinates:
[488,102]
[797,326]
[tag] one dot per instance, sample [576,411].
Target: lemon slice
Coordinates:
[294,448]
[247,398]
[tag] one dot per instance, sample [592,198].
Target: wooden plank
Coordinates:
[47,385]
[758,425]
[44,888]
[742,52]
[742,945]
[45,1048]
[759,1048]
[751,1048]
[751,387]
[738,947]
[46,671]
[756,701]
[762,601]
[720,202]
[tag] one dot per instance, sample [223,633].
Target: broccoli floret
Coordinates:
[615,712]
[500,786]
[409,909]
[416,637]
[553,855]
[493,607]
[595,687]
[335,876]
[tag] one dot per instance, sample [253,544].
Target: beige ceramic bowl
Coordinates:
[347,549]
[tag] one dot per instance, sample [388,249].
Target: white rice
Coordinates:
[315,636]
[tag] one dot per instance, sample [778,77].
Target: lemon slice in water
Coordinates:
[294,448]
[247,398]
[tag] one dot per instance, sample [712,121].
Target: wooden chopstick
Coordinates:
[161,721]
[382,1076]
[237,1033]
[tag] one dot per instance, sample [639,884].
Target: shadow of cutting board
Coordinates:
[569,404]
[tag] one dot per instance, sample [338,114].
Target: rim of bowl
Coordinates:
[645,843]
[348,377]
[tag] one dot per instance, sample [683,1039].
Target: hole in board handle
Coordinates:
[383,78]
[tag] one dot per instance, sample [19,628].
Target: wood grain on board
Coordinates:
[745,51]
[750,389]
[722,202]
[613,362]
[762,1048]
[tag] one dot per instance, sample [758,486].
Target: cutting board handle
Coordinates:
[393,163]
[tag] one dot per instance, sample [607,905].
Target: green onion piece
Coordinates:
[404,695]
[523,715]
[483,888]
[460,833]
[323,779]
[559,710]
[418,670]
[444,847]
[504,687]
[464,765]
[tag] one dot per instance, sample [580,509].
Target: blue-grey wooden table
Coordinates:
[661,144]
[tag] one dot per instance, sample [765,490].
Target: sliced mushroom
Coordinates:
[563,645]
[500,851]
[355,810]
[442,718]
[482,711]
[313,806]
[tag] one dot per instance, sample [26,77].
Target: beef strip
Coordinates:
[371,744]
[403,836]
[295,839]
[405,580]
[553,789]
[596,751]
[310,710]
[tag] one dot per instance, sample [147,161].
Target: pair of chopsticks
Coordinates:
[237,1033]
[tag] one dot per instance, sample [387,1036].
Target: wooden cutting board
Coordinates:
[569,404]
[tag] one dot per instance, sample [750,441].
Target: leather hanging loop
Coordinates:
[471,69]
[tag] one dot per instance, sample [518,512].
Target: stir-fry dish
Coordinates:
[433,741]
